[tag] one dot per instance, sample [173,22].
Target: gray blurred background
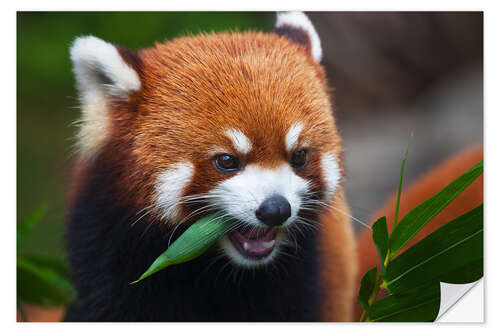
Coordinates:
[392,73]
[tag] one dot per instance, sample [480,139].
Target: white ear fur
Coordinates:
[100,73]
[301,21]
[99,67]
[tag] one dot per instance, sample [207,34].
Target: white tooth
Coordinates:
[269,244]
[246,245]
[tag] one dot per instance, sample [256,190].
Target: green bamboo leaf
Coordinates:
[380,237]
[423,213]
[53,264]
[414,305]
[25,227]
[453,253]
[468,273]
[43,281]
[366,288]
[401,182]
[192,243]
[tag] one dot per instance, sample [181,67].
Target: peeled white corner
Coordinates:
[461,303]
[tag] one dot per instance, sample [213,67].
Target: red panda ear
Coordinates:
[297,27]
[103,71]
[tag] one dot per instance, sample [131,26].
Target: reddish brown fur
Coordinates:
[339,262]
[194,88]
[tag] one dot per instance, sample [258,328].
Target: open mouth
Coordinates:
[254,243]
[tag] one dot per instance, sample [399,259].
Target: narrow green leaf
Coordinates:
[454,252]
[366,288]
[25,227]
[192,243]
[43,281]
[414,305]
[401,182]
[467,273]
[51,263]
[423,213]
[381,239]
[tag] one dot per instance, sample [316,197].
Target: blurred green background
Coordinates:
[47,104]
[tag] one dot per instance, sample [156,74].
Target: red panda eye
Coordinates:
[226,162]
[299,159]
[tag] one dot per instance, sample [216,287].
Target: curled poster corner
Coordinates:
[460,305]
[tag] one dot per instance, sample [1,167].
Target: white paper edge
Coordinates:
[461,303]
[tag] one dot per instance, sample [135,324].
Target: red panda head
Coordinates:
[237,123]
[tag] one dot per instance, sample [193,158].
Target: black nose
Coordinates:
[274,210]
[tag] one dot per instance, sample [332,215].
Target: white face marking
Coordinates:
[92,58]
[93,127]
[292,137]
[241,195]
[331,174]
[240,142]
[170,186]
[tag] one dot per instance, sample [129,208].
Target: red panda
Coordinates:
[235,123]
[239,124]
